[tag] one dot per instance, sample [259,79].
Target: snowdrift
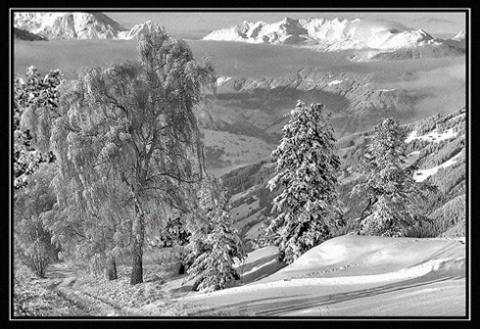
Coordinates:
[353,275]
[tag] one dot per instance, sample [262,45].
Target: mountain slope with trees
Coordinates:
[439,139]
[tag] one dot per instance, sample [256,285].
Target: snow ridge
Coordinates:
[77,25]
[136,31]
[460,36]
[68,25]
[327,35]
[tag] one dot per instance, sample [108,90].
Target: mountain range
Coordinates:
[317,33]
[369,39]
[327,35]
[76,25]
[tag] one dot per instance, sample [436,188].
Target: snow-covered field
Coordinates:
[352,276]
[345,276]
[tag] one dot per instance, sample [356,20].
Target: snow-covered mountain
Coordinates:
[136,30]
[458,41]
[77,25]
[68,25]
[327,35]
[460,36]
[20,34]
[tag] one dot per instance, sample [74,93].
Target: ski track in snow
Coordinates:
[411,272]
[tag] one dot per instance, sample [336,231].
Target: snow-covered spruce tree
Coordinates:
[390,189]
[214,241]
[133,125]
[308,208]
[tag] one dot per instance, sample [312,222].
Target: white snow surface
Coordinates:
[432,137]
[325,34]
[335,82]
[222,80]
[77,25]
[422,174]
[136,30]
[352,275]
[68,25]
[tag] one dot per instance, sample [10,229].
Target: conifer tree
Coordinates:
[389,188]
[214,242]
[308,208]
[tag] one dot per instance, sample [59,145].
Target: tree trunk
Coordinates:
[195,286]
[111,269]
[181,270]
[138,236]
[137,266]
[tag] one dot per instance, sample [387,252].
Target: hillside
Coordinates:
[436,154]
[258,84]
[345,276]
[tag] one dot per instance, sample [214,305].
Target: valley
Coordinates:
[254,92]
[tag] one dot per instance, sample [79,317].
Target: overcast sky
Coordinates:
[200,22]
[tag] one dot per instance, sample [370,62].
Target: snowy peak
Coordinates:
[77,25]
[457,41]
[138,29]
[325,34]
[68,25]
[460,36]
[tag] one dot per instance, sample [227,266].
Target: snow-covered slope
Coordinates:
[327,35]
[352,275]
[68,25]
